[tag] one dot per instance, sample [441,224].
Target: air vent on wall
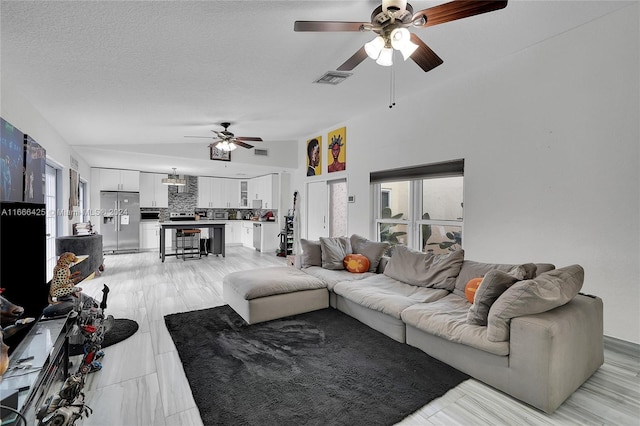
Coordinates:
[333,77]
[259,151]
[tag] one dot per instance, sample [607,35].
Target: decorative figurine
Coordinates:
[67,406]
[10,323]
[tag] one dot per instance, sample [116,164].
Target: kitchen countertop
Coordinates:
[204,222]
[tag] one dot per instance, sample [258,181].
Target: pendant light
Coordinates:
[174,180]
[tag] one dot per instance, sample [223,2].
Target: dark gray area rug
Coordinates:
[122,329]
[317,368]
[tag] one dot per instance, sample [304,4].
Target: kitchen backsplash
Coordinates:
[184,202]
[187,202]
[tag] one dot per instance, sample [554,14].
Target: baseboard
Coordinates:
[622,346]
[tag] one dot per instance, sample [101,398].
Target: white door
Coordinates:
[317,210]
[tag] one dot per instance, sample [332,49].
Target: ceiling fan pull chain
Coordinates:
[392,88]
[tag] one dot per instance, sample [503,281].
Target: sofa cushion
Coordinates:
[334,251]
[385,294]
[311,253]
[472,269]
[493,285]
[373,250]
[263,282]
[543,293]
[332,277]
[356,263]
[447,318]
[425,269]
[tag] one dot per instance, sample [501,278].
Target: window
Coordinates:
[82,202]
[50,196]
[420,207]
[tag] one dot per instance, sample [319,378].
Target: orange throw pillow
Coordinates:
[356,263]
[471,287]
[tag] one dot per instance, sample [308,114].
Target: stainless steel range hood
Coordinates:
[183,189]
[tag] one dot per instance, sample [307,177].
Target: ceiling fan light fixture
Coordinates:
[386,57]
[408,49]
[374,47]
[401,40]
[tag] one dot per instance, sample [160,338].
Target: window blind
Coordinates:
[425,171]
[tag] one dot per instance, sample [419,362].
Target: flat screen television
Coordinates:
[34,171]
[11,163]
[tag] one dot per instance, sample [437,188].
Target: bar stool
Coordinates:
[190,244]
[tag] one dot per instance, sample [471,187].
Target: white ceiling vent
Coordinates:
[259,151]
[333,77]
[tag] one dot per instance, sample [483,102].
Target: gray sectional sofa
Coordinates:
[529,332]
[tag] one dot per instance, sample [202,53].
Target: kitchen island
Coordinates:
[216,232]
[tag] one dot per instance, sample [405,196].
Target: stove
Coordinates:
[181,216]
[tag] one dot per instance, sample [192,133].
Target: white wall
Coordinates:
[21,114]
[550,138]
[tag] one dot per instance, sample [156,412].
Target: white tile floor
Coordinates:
[142,381]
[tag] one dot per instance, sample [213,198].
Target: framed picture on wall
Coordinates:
[337,150]
[314,157]
[219,154]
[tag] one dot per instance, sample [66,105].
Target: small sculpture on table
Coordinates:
[90,325]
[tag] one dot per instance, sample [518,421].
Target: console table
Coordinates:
[37,368]
[216,234]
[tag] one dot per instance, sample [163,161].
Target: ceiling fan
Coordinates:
[227,140]
[390,21]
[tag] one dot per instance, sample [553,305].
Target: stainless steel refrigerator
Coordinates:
[120,225]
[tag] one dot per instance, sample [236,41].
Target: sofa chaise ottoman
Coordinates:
[268,293]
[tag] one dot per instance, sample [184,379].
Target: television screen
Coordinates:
[34,171]
[11,162]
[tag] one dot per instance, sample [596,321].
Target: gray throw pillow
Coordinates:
[311,253]
[425,269]
[493,285]
[334,251]
[543,293]
[472,269]
[372,250]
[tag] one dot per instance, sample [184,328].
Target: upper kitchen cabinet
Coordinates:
[264,188]
[232,193]
[153,193]
[218,192]
[204,192]
[119,180]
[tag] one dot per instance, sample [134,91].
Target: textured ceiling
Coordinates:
[124,81]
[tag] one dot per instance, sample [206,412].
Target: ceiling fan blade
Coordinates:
[354,61]
[457,9]
[424,56]
[247,138]
[328,26]
[203,137]
[242,144]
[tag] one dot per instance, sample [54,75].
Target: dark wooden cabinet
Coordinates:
[23,256]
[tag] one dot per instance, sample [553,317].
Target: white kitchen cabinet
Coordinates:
[269,236]
[153,193]
[119,180]
[244,193]
[232,192]
[218,192]
[264,188]
[211,192]
[246,237]
[204,192]
[233,233]
[150,236]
